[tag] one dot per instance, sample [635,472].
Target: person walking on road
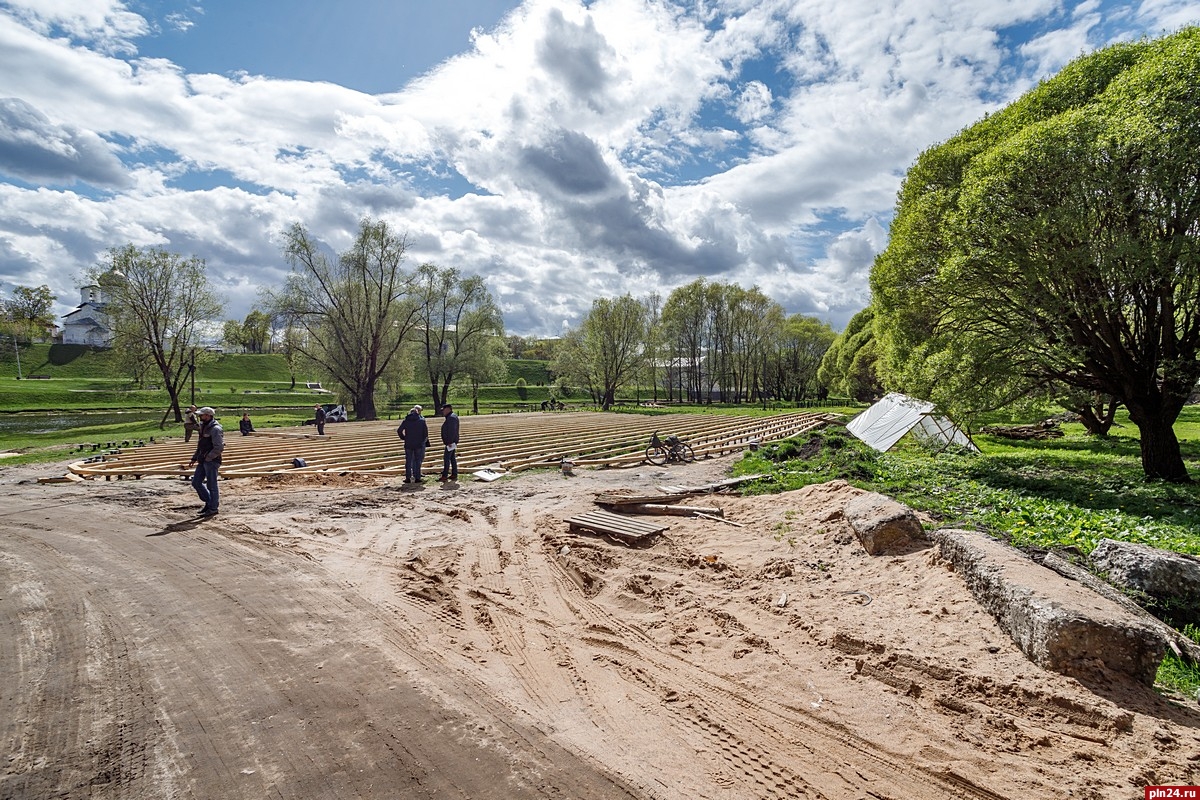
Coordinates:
[449,444]
[319,414]
[190,424]
[207,458]
[414,430]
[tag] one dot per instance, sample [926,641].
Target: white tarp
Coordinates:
[887,421]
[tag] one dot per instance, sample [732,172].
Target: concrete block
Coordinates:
[882,524]
[1172,580]
[1059,624]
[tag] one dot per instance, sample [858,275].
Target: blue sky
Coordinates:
[564,150]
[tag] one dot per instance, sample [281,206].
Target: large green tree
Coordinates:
[354,311]
[160,305]
[458,316]
[849,366]
[606,354]
[1058,241]
[28,312]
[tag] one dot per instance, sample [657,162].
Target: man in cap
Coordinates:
[207,458]
[414,430]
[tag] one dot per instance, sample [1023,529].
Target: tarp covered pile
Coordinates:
[887,421]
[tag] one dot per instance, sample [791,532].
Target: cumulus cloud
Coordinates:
[576,149]
[34,149]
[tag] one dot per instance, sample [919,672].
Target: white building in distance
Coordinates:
[88,324]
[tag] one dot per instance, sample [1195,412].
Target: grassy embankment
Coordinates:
[1059,493]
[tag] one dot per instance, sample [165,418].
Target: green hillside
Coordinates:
[79,361]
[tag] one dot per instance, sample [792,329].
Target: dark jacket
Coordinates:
[414,430]
[246,426]
[319,414]
[450,429]
[211,443]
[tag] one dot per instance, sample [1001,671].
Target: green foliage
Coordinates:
[822,455]
[1178,675]
[849,368]
[460,332]
[533,372]
[1055,244]
[26,314]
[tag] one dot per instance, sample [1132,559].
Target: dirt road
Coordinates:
[355,638]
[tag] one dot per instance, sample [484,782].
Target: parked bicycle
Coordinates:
[672,448]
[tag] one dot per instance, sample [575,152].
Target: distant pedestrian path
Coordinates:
[510,442]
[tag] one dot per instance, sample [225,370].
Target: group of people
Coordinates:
[414,430]
[210,445]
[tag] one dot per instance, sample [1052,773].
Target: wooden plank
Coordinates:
[622,527]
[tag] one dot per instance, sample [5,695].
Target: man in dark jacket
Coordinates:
[207,458]
[450,444]
[319,418]
[414,430]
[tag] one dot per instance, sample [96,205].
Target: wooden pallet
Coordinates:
[628,529]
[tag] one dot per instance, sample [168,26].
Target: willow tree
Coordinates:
[160,304]
[354,311]
[457,317]
[849,366]
[606,352]
[1058,241]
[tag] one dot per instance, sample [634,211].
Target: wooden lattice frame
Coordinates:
[512,442]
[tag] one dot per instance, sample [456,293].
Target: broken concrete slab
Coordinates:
[1057,623]
[1171,580]
[882,524]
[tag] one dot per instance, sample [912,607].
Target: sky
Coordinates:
[563,150]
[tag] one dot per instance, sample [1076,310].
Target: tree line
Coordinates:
[364,319]
[707,342]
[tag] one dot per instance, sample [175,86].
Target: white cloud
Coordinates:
[576,150]
[107,25]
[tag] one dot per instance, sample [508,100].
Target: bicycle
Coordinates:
[672,448]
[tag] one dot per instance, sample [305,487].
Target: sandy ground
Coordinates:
[356,638]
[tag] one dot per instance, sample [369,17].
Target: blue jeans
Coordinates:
[449,462]
[413,456]
[206,473]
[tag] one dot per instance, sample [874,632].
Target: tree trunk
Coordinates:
[1161,458]
[1098,419]
[364,404]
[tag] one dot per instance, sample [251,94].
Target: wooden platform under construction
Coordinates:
[632,530]
[509,442]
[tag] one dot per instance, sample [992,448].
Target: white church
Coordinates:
[88,324]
